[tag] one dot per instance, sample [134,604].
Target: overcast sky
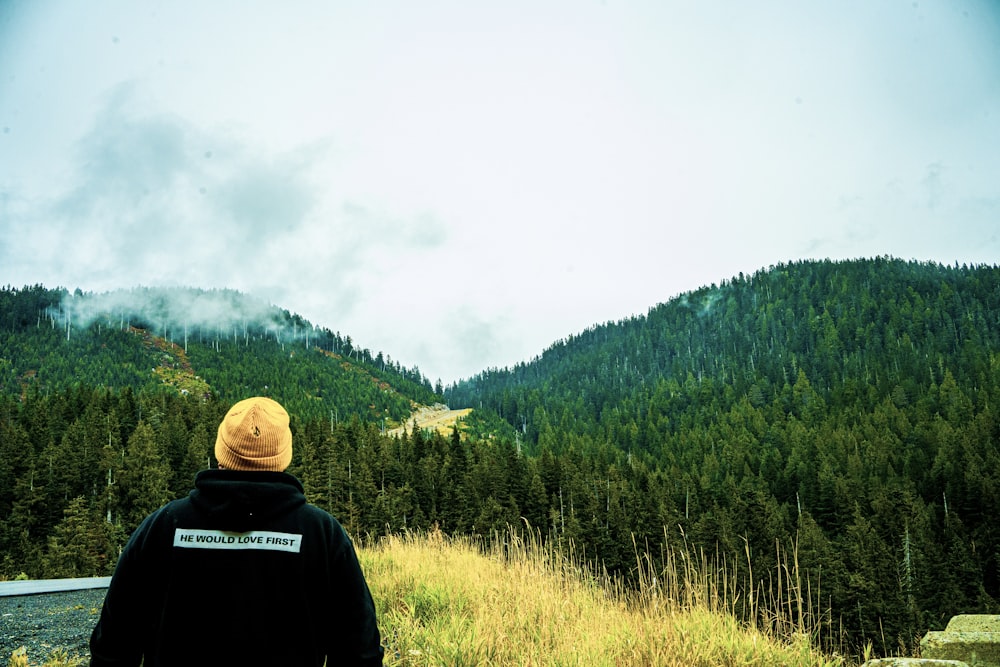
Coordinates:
[460,184]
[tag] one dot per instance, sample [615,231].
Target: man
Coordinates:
[241,572]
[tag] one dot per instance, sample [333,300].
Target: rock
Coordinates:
[974,623]
[972,638]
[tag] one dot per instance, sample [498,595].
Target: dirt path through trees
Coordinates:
[437,416]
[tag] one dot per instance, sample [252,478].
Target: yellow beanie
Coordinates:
[254,435]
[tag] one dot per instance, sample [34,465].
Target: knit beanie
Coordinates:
[254,435]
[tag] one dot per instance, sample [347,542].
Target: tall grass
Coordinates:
[775,602]
[515,600]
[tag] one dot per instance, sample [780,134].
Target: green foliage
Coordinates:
[845,412]
[81,545]
[146,340]
[850,405]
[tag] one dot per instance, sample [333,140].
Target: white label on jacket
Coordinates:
[196,538]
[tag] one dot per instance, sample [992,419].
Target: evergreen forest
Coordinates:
[835,420]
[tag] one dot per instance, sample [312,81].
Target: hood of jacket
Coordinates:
[244,499]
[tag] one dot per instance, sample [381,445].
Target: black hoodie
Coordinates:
[241,572]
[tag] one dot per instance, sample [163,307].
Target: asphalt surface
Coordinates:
[46,623]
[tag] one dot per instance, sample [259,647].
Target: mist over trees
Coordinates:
[841,415]
[147,337]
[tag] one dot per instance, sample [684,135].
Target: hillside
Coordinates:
[849,408]
[219,343]
[838,419]
[872,327]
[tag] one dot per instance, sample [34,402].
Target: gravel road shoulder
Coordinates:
[46,623]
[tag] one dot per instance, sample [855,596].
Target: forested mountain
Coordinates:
[849,408]
[832,420]
[219,342]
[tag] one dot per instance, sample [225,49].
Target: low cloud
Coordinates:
[474,337]
[171,309]
[155,200]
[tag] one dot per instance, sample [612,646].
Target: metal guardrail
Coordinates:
[42,586]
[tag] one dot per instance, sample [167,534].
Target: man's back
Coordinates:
[242,571]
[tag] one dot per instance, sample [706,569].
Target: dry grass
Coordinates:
[442,602]
[59,658]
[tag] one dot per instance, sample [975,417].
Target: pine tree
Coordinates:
[79,544]
[145,478]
